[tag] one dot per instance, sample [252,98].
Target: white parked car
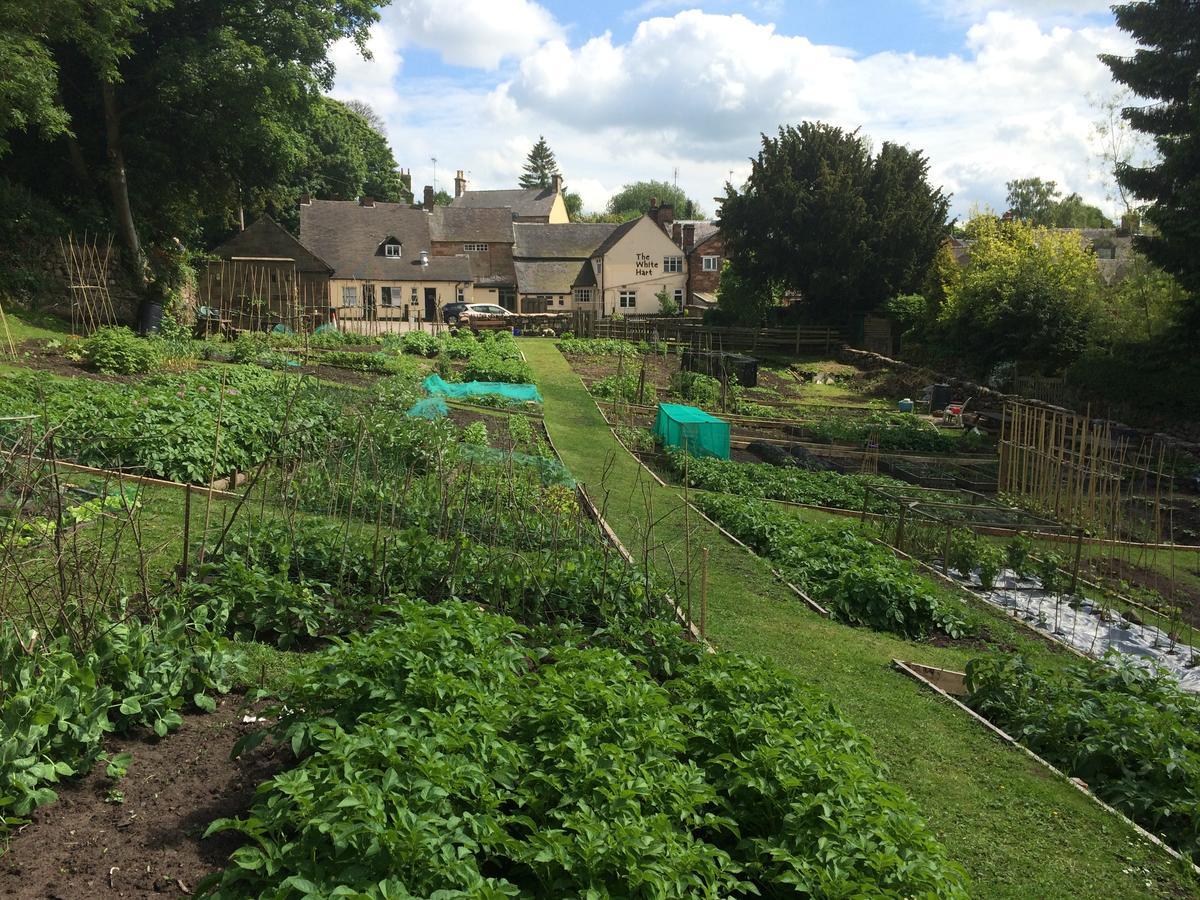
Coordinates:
[458,312]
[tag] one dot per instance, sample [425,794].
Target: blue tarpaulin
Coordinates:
[517,393]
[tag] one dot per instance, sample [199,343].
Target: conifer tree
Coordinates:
[540,166]
[1165,69]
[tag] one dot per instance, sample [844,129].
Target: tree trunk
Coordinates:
[75,154]
[119,187]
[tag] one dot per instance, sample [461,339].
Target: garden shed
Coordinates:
[696,431]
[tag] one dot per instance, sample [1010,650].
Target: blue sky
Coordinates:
[990,90]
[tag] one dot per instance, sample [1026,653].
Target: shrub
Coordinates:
[704,390]
[475,434]
[624,388]
[419,343]
[118,351]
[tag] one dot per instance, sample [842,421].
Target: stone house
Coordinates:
[544,206]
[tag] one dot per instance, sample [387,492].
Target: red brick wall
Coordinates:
[698,279]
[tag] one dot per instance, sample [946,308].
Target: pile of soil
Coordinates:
[88,845]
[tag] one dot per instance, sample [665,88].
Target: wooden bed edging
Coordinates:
[915,672]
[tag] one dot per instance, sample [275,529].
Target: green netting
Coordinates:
[429,408]
[517,393]
[551,471]
[692,429]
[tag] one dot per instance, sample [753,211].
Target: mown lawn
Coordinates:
[1017,830]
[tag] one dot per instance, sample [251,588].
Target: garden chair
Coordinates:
[955,411]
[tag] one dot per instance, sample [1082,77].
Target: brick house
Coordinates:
[485,236]
[704,248]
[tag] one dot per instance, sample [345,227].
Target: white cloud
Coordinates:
[693,92]
[476,33]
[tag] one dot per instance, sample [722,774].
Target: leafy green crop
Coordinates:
[597,347]
[118,351]
[1131,734]
[859,581]
[488,765]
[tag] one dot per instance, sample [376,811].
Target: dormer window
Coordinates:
[391,250]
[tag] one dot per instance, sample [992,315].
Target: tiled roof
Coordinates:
[544,276]
[576,240]
[522,201]
[484,225]
[619,232]
[350,238]
[267,238]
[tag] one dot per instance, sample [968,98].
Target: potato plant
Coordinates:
[489,761]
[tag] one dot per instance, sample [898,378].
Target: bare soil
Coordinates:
[150,844]
[33,354]
[1184,593]
[497,427]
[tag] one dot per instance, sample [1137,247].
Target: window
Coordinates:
[385,296]
[710,263]
[672,264]
[598,265]
[475,248]
[583,295]
[459,295]
[350,296]
[1103,252]
[560,301]
[679,296]
[391,250]
[627,299]
[412,298]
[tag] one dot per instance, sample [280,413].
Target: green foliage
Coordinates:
[118,351]
[1039,202]
[378,363]
[744,299]
[1017,553]
[540,166]
[624,389]
[859,581]
[894,431]
[167,425]
[1027,294]
[597,347]
[1131,734]
[633,200]
[488,365]
[475,434]
[823,216]
[474,753]
[765,481]
[1163,75]
[59,701]
[420,343]
[704,390]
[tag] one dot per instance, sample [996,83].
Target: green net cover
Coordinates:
[550,471]
[517,393]
[429,408]
[692,429]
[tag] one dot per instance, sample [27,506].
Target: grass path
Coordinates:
[1018,831]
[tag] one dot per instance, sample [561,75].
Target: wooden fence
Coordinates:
[691,333]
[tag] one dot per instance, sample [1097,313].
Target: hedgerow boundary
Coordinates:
[1017,830]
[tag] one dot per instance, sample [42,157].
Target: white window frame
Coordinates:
[672,265]
[583,295]
[385,295]
[349,295]
[413,298]
[679,296]
[627,299]
[460,294]
[392,250]
[710,263]
[475,248]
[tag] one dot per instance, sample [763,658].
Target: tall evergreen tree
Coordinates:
[1165,69]
[821,216]
[540,166]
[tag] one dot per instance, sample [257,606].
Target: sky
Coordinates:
[672,91]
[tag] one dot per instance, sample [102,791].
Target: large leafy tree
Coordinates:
[181,112]
[634,199]
[1027,295]
[1039,202]
[1165,69]
[540,166]
[822,216]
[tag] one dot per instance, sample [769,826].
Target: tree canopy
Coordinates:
[170,116]
[1165,69]
[540,166]
[634,199]
[1039,202]
[1028,294]
[822,216]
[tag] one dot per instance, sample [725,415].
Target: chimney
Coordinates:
[305,199]
[366,201]
[666,216]
[427,203]
[460,183]
[556,183]
[677,234]
[689,236]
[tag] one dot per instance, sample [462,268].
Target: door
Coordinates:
[508,299]
[430,304]
[369,302]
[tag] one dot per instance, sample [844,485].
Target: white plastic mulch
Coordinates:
[1086,629]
